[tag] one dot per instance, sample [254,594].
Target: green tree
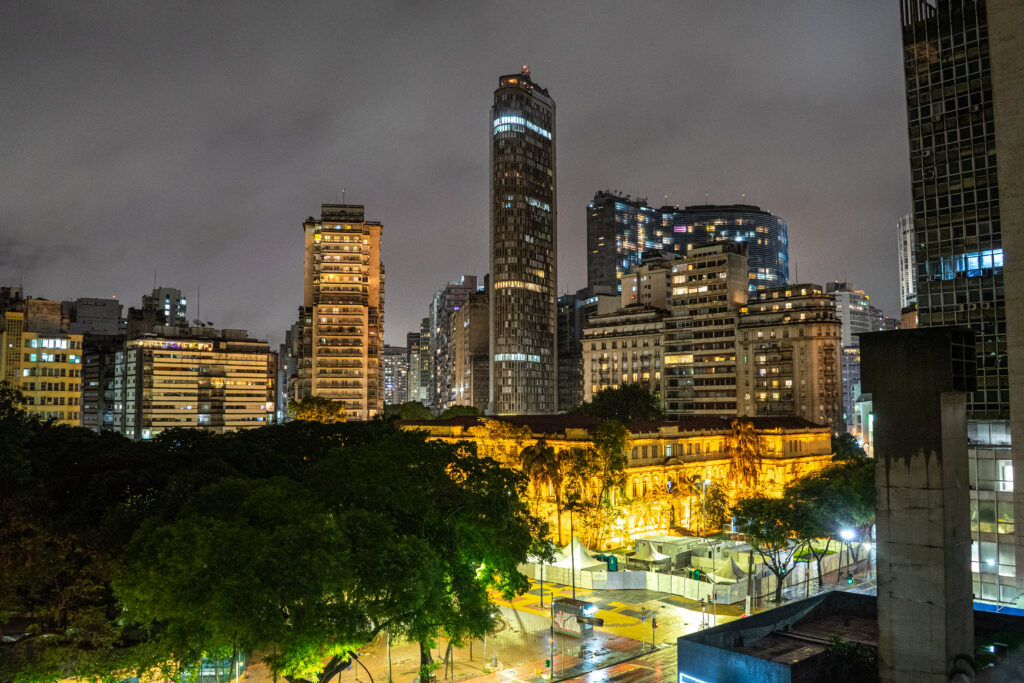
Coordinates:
[545,468]
[845,447]
[713,508]
[768,526]
[744,451]
[816,515]
[460,411]
[410,410]
[317,409]
[628,403]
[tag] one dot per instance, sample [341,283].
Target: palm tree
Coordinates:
[692,485]
[542,465]
[745,459]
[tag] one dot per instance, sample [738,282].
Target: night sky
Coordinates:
[192,139]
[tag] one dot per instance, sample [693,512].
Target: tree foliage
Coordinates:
[410,410]
[712,508]
[317,409]
[300,541]
[768,526]
[460,411]
[845,447]
[628,403]
[744,450]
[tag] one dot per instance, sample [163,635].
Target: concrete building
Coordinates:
[209,379]
[443,308]
[788,355]
[905,257]
[709,286]
[574,310]
[44,363]
[624,347]
[857,315]
[850,363]
[412,362]
[394,364]
[472,359]
[94,316]
[964,71]
[922,505]
[343,310]
[650,283]
[523,249]
[425,377]
[621,228]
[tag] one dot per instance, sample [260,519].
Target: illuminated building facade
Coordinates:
[660,458]
[624,347]
[650,283]
[46,366]
[394,366]
[574,310]
[788,355]
[412,362]
[213,380]
[444,382]
[709,285]
[472,360]
[343,310]
[523,255]
[620,229]
[964,73]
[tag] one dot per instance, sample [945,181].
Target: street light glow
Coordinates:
[846,534]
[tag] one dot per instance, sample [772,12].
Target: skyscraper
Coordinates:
[343,310]
[394,364]
[443,307]
[620,228]
[523,284]
[963,117]
[905,257]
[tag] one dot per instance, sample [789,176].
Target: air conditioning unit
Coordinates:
[926,153]
[986,305]
[972,307]
[960,308]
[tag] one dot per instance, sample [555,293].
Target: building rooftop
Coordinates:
[556,424]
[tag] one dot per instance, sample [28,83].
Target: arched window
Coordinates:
[645,487]
[634,488]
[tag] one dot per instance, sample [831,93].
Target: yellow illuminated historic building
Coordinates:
[667,465]
[46,366]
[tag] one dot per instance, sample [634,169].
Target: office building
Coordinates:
[443,308]
[523,249]
[624,347]
[574,310]
[94,316]
[788,355]
[472,358]
[343,310]
[412,362]
[650,283]
[204,378]
[41,361]
[709,285]
[620,229]
[425,377]
[394,363]
[964,73]
[905,258]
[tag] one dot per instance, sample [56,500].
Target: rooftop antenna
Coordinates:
[705,197]
[198,304]
[154,278]
[343,195]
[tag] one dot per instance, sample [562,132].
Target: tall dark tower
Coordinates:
[524,313]
[964,72]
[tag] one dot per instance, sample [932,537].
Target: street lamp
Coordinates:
[846,535]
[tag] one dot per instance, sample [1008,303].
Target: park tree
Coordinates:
[546,468]
[460,411]
[410,410]
[846,448]
[816,515]
[628,403]
[768,526]
[317,409]
[713,507]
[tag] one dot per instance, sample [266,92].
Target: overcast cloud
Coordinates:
[192,139]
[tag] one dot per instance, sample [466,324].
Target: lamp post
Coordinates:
[846,535]
[703,529]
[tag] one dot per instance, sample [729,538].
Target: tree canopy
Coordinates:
[317,409]
[300,540]
[628,403]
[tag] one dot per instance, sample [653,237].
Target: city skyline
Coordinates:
[155,152]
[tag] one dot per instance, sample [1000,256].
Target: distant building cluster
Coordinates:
[82,363]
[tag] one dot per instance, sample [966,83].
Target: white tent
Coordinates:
[646,553]
[579,557]
[728,572]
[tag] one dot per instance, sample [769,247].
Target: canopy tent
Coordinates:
[729,572]
[578,557]
[648,555]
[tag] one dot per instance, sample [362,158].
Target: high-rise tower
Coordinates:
[964,71]
[523,309]
[343,310]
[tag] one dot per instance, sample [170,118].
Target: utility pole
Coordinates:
[643,628]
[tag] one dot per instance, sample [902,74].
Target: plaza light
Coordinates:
[846,534]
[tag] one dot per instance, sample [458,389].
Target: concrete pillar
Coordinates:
[917,379]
